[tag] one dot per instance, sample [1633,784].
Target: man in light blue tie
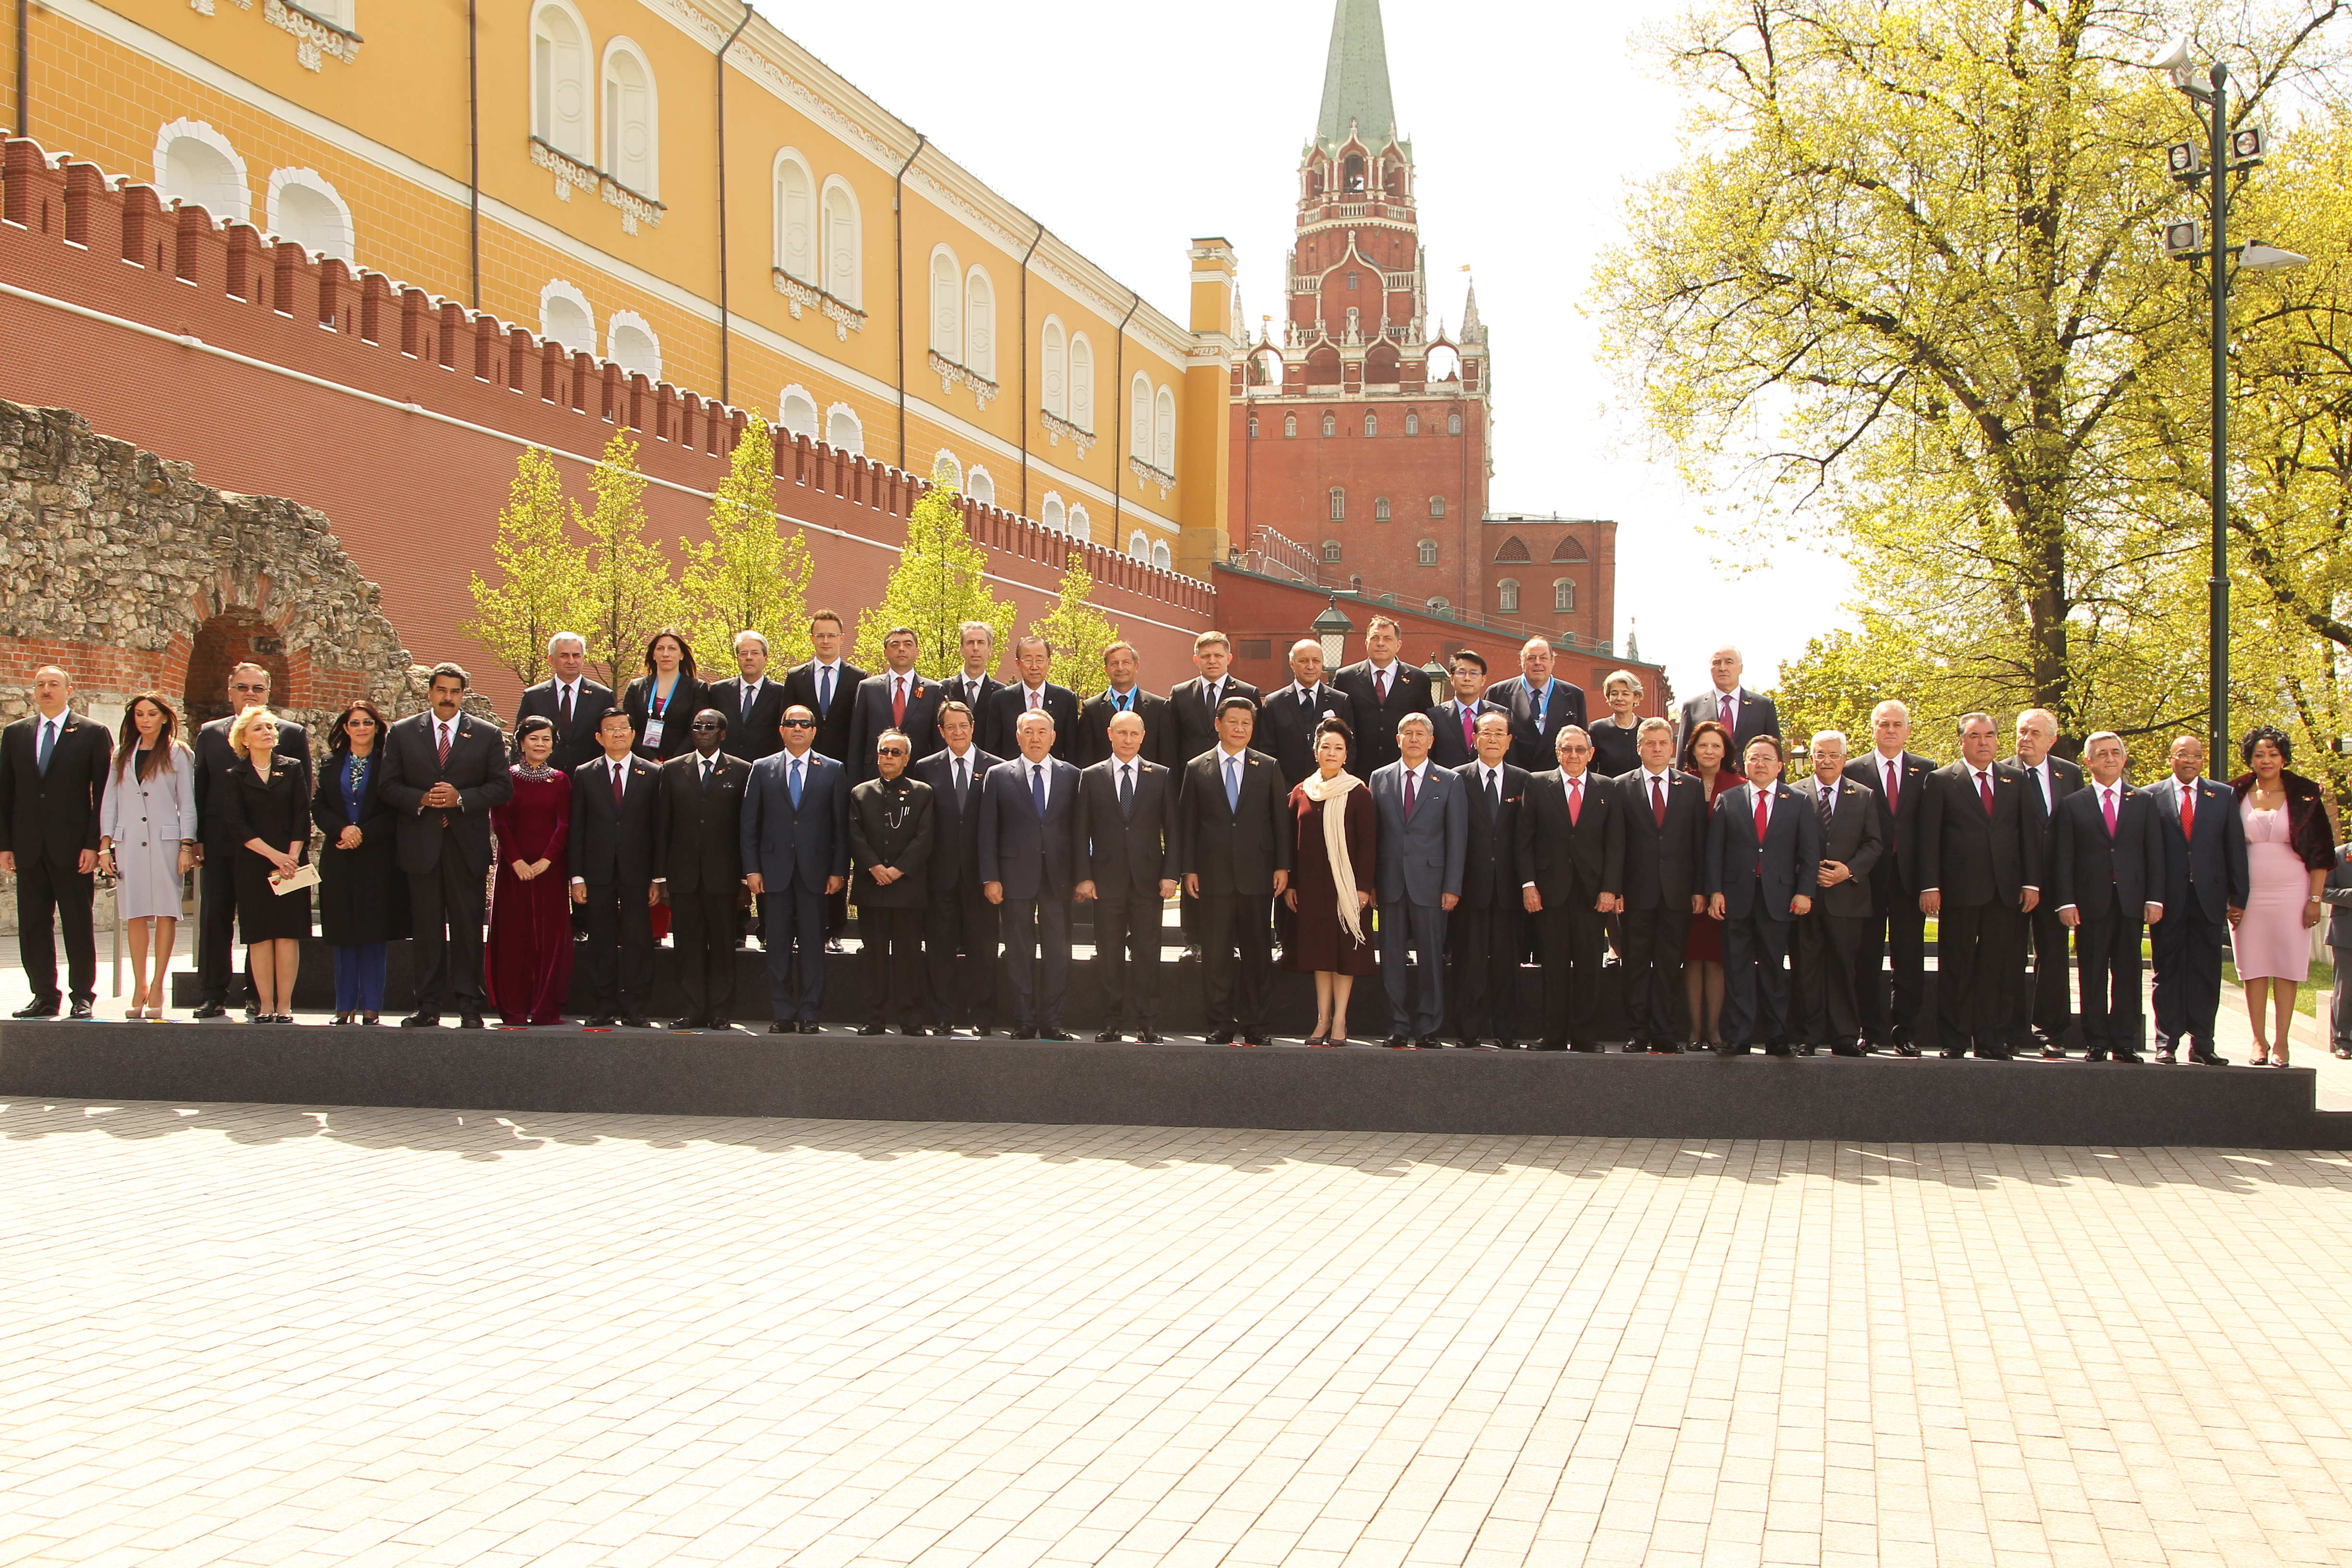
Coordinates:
[1539,706]
[53,765]
[1032,857]
[795,845]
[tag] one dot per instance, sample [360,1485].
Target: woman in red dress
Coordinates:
[526,965]
[1330,895]
[1703,755]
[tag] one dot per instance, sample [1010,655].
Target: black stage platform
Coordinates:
[1876,1100]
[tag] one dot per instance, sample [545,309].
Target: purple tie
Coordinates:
[1469,728]
[1408,796]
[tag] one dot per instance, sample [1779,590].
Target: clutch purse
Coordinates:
[294,881]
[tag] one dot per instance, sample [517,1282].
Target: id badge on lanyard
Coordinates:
[656,706]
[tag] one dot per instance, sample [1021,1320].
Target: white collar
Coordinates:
[1659,774]
[963,756]
[1579,780]
[1128,764]
[1230,756]
[754,683]
[1381,668]
[1305,690]
[1414,770]
[1717,694]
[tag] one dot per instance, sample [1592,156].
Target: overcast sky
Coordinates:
[1528,124]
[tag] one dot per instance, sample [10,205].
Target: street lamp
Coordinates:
[2225,153]
[1332,628]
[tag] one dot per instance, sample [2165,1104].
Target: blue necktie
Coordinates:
[824,696]
[1232,784]
[1038,788]
[48,743]
[796,783]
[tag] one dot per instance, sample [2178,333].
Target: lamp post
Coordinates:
[1332,628]
[2226,153]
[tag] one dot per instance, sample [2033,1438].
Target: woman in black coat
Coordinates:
[265,814]
[666,695]
[363,893]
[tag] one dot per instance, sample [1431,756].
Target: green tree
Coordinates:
[1076,631]
[753,572]
[539,568]
[625,591]
[940,582]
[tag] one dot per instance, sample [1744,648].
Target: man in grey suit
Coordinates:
[1746,714]
[1825,1008]
[1126,806]
[794,838]
[1032,854]
[1424,834]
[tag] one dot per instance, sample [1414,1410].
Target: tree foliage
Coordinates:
[1076,630]
[540,566]
[940,582]
[752,572]
[626,590]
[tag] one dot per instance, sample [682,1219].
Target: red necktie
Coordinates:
[1408,796]
[1575,799]
[1380,679]
[1894,789]
[1984,790]
[616,786]
[898,700]
[1657,800]
[1726,711]
[2107,804]
[1763,817]
[2189,810]
[442,749]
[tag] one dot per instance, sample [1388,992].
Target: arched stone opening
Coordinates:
[233,636]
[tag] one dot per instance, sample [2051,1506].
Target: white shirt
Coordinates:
[1419,776]
[751,691]
[445,732]
[1384,678]
[1764,793]
[567,692]
[2042,780]
[1033,697]
[1126,777]
[1827,793]
[1490,779]
[1308,692]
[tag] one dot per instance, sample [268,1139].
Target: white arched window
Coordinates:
[843,252]
[1372,423]
[630,343]
[1439,605]
[1454,424]
[1437,506]
[195,164]
[306,209]
[796,217]
[1082,382]
[1339,504]
[1290,425]
[980,487]
[1081,526]
[1331,425]
[979,324]
[1163,431]
[796,412]
[1563,594]
[947,304]
[1506,595]
[1139,544]
[1161,558]
[561,107]
[564,317]
[1053,370]
[945,469]
[843,431]
[1053,514]
[1412,424]
[1380,508]
[632,122]
[1331,552]
[1139,417]
[1429,552]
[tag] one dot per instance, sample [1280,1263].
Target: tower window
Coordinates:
[1351,280]
[1563,594]
[1331,551]
[1380,508]
[1429,552]
[1290,424]
[1412,424]
[1439,605]
[1331,425]
[1506,595]
[1437,506]
[1454,424]
[1253,427]
[1372,423]
[1356,582]
[1339,504]
[1354,174]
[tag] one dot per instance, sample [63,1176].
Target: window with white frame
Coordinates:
[1253,427]
[796,412]
[1053,370]
[562,108]
[565,317]
[796,217]
[979,324]
[946,305]
[1380,508]
[629,342]
[632,125]
[1412,424]
[1437,506]
[1052,514]
[1331,552]
[1563,594]
[978,486]
[1429,552]
[845,255]
[1331,425]
[1082,382]
[1339,504]
[306,209]
[1454,424]
[1506,595]
[195,164]
[946,471]
[1290,424]
[1161,556]
[1439,603]
[1081,526]
[1139,417]
[1372,423]
[844,431]
[1163,431]
[1139,544]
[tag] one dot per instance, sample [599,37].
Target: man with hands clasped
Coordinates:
[2107,876]
[1763,863]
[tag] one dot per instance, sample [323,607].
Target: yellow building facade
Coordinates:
[557,163]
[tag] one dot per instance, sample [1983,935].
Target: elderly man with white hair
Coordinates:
[1744,714]
[570,700]
[1895,936]
[2044,1006]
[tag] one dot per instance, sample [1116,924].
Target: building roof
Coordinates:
[1356,78]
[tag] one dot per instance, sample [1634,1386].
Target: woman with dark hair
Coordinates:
[363,892]
[265,814]
[662,702]
[147,834]
[1706,753]
[2290,850]
[1330,901]
[527,964]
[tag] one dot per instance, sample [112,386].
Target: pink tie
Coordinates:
[2108,795]
[1033,701]
[1469,728]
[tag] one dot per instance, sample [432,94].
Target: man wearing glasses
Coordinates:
[892,829]
[248,687]
[795,840]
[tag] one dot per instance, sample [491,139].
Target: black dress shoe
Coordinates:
[1731,1050]
[2052,1051]
[204,1010]
[49,1010]
[2094,1056]
[81,1013]
[1055,1035]
[1147,1038]
[1781,1049]
[982,1031]
[783,1027]
[720,1025]
[421,1020]
[687,1024]
[1397,1043]
[1497,1044]
[2132,1057]
[1847,1050]
[1589,1047]
[2208,1059]
[469,1020]
[1428,1043]
[811,1027]
[1253,1039]
[602,1021]
[1905,1048]
[370,1020]
[636,1023]
[1108,1037]
[872,1029]
[1221,1037]
[1666,1048]
[914,1032]
[1951,1054]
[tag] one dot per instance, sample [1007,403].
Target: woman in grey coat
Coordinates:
[147,827]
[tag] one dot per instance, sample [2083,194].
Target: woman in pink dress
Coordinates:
[527,964]
[2290,848]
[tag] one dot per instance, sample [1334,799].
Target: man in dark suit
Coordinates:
[443,771]
[616,810]
[794,845]
[1196,702]
[890,845]
[1033,693]
[1763,863]
[1457,718]
[1126,806]
[1665,817]
[1233,850]
[1383,689]
[1287,719]
[248,687]
[1979,875]
[1823,1006]
[898,698]
[2106,878]
[53,765]
[1572,857]
[1031,855]
[1745,714]
[753,704]
[1424,832]
[568,700]
[698,868]
[2204,889]
[827,686]
[2044,1008]
[1486,932]
[1895,936]
[973,685]
[960,927]
[1538,705]
[1121,666]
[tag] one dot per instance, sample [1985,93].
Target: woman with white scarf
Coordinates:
[1330,894]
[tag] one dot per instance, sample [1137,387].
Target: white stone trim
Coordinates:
[198,132]
[557,289]
[619,319]
[313,181]
[815,431]
[620,44]
[856,448]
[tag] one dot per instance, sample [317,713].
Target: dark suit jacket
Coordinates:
[1234,849]
[1196,721]
[1127,857]
[2096,873]
[1449,748]
[2215,864]
[1006,705]
[891,824]
[1853,841]
[686,698]
[1785,864]
[870,715]
[1531,747]
[755,737]
[1286,729]
[477,766]
[1572,863]
[697,830]
[212,759]
[1158,728]
[1664,865]
[798,849]
[955,827]
[952,689]
[277,811]
[1032,859]
[577,744]
[1492,872]
[613,844]
[1896,881]
[51,818]
[1970,858]
[1409,692]
[832,724]
[1754,716]
[2066,778]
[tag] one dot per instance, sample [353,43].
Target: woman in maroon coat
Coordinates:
[1330,895]
[527,963]
[1707,754]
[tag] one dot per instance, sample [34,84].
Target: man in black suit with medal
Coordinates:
[1979,876]
[2107,876]
[960,925]
[2044,1008]
[1121,668]
[615,808]
[1457,718]
[1486,933]
[1895,936]
[1288,718]
[1234,845]
[1126,806]
[1033,693]
[753,704]
[1383,689]
[897,699]
[568,699]
[443,771]
[698,868]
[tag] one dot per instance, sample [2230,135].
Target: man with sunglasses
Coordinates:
[795,842]
[891,833]
[248,687]
[698,868]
